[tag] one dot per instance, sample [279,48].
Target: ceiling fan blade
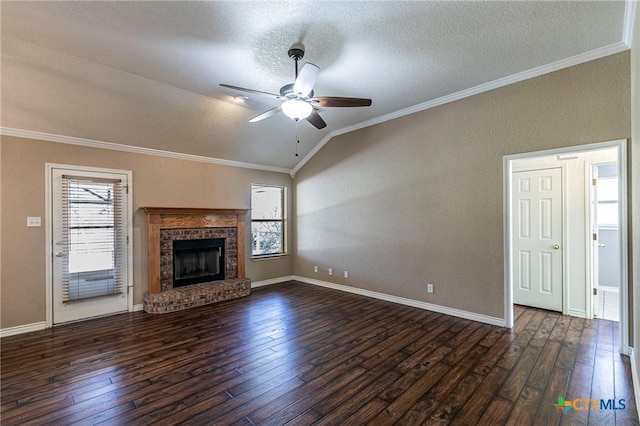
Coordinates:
[336,101]
[306,80]
[258,92]
[315,119]
[266,114]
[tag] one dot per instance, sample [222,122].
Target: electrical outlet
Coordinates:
[330,271]
[34,221]
[429,288]
[346,274]
[315,269]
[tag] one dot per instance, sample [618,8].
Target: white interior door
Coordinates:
[537,238]
[89,229]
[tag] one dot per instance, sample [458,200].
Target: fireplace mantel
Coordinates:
[159,218]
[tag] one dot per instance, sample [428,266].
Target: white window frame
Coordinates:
[616,202]
[283,221]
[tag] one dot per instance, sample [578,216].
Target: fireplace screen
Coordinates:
[197,261]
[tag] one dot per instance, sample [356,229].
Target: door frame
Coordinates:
[49,233]
[592,264]
[593,250]
[621,145]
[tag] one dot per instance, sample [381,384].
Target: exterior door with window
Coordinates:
[89,221]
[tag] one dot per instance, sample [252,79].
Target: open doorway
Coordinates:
[553,243]
[606,229]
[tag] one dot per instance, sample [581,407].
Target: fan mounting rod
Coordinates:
[296,53]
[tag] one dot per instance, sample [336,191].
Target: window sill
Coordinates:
[268,257]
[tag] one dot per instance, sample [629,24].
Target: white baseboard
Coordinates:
[577,313]
[404,301]
[271,281]
[20,329]
[635,379]
[376,295]
[11,331]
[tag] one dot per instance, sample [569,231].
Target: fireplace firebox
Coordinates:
[198,261]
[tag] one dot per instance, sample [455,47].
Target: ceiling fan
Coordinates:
[298,98]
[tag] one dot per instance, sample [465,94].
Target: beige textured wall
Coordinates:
[418,199]
[634,253]
[157,181]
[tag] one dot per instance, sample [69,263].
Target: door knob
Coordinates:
[600,245]
[59,254]
[556,246]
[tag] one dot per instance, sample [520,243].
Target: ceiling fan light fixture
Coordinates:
[299,101]
[296,109]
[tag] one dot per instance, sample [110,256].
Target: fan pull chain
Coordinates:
[297,138]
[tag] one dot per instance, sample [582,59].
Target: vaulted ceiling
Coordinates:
[147,74]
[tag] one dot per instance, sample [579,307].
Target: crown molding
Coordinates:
[495,84]
[630,13]
[70,140]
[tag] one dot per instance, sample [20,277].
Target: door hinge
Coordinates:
[595,237]
[126,188]
[594,181]
[595,291]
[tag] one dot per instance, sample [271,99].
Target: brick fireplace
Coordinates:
[169,238]
[165,227]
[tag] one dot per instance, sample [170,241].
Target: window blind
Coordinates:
[93,236]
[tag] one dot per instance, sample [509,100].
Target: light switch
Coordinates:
[34,221]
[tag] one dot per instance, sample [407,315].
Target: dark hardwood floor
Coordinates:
[294,353]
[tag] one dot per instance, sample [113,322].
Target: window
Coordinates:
[93,233]
[607,201]
[267,220]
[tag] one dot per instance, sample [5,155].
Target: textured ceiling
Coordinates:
[147,74]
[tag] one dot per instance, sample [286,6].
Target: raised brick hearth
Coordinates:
[194,295]
[165,225]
